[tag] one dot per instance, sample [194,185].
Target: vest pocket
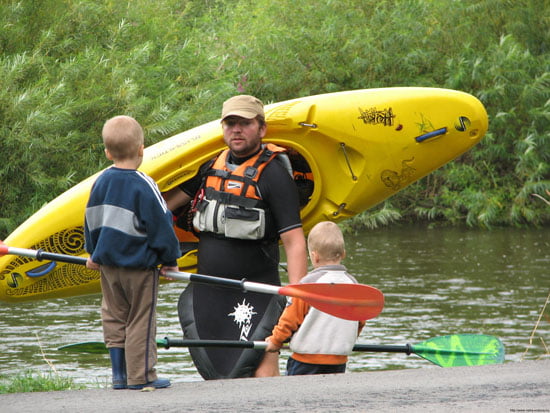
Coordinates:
[204,217]
[244,223]
[230,221]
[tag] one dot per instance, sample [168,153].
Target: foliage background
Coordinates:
[68,65]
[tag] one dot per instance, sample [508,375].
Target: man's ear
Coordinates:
[263,130]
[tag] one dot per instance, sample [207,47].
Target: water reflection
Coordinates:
[435,281]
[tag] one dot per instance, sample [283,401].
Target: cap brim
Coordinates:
[241,113]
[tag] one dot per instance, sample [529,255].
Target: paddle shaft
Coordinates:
[166,343]
[262,345]
[224,282]
[347,301]
[373,348]
[176,275]
[42,255]
[182,276]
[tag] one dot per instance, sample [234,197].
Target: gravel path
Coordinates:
[511,387]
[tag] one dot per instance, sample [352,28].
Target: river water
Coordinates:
[435,282]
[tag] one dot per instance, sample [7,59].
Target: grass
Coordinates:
[30,381]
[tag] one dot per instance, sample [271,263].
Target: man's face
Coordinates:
[243,136]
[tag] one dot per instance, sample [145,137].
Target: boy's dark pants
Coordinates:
[297,368]
[128,313]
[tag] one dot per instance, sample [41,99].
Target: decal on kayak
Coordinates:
[396,180]
[374,116]
[69,241]
[14,283]
[424,125]
[242,316]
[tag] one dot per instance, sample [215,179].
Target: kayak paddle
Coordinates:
[455,350]
[347,301]
[445,351]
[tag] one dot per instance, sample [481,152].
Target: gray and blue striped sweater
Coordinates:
[127,222]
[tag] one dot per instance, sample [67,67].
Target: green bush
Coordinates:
[67,66]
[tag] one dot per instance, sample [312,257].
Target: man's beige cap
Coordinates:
[245,106]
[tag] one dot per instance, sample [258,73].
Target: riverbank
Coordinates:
[510,387]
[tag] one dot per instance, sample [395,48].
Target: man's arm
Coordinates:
[294,243]
[175,198]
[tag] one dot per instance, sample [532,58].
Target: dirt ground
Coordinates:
[510,387]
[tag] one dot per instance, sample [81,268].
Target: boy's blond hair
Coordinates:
[327,240]
[122,137]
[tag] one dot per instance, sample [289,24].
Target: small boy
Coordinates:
[128,231]
[320,342]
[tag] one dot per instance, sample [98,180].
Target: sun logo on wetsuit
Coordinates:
[242,316]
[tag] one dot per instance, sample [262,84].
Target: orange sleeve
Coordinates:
[289,322]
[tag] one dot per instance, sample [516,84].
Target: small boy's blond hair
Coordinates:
[122,137]
[327,240]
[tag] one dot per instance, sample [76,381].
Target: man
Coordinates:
[245,200]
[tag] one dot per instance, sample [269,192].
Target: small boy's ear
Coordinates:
[108,154]
[141,148]
[314,257]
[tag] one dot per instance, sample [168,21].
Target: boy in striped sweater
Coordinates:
[128,231]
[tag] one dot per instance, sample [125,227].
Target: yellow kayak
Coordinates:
[349,150]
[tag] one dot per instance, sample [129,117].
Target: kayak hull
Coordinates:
[361,147]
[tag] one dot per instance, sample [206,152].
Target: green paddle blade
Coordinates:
[98,347]
[461,350]
[94,347]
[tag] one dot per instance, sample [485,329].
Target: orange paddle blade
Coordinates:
[348,301]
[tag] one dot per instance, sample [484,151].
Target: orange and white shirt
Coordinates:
[317,337]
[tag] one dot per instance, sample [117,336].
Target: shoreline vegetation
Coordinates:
[33,381]
[66,66]
[30,381]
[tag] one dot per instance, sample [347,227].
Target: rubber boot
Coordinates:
[118,362]
[157,384]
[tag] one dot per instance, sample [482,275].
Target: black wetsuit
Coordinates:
[208,312]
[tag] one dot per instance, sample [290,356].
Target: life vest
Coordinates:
[230,203]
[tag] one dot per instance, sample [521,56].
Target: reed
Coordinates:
[532,336]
